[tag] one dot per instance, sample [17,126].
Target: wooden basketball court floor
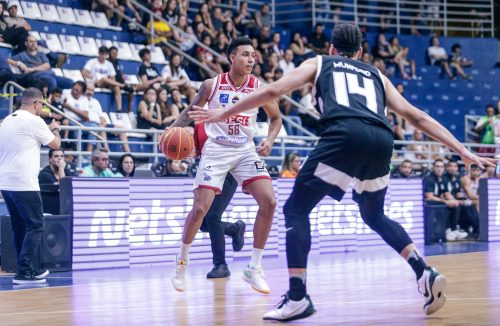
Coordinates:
[364,288]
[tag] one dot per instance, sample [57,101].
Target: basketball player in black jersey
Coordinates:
[355,146]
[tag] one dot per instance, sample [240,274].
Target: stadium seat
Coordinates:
[135,48]
[31,10]
[126,121]
[58,72]
[48,12]
[99,19]
[157,56]
[88,46]
[69,44]
[124,51]
[100,42]
[52,41]
[75,75]
[66,15]
[36,35]
[82,17]
[131,79]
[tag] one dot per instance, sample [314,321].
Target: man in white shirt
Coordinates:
[21,135]
[102,73]
[286,64]
[439,57]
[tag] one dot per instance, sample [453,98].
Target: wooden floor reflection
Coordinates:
[347,289]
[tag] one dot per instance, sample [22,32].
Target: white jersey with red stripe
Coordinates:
[237,130]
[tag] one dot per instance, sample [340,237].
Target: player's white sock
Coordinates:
[256,257]
[184,251]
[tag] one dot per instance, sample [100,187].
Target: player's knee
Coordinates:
[199,212]
[268,205]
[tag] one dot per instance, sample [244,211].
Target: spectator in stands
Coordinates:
[207,59]
[55,99]
[458,61]
[55,170]
[400,58]
[470,185]
[101,73]
[162,31]
[36,65]
[286,64]
[15,36]
[126,166]
[218,20]
[485,128]
[75,104]
[308,115]
[270,67]
[436,191]
[490,172]
[119,77]
[171,12]
[184,35]
[149,75]
[6,73]
[229,29]
[298,48]
[404,171]
[382,49]
[264,40]
[149,113]
[204,17]
[243,20]
[379,63]
[291,165]
[276,46]
[177,168]
[263,16]
[97,118]
[438,57]
[99,166]
[395,122]
[168,112]
[14,21]
[318,41]
[176,77]
[220,46]
[367,58]
[416,151]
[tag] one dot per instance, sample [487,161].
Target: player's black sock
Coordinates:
[417,263]
[297,289]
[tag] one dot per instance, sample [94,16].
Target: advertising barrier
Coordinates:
[133,222]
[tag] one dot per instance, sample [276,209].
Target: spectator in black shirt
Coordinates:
[404,171]
[436,191]
[318,42]
[119,77]
[55,171]
[149,75]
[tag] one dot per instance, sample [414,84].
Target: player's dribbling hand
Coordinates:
[264,148]
[482,162]
[199,114]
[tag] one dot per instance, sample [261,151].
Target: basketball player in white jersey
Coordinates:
[229,148]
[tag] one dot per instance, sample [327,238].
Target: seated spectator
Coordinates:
[244,20]
[382,49]
[276,45]
[55,170]
[469,219]
[168,112]
[259,57]
[207,59]
[485,128]
[75,105]
[395,123]
[380,65]
[318,41]
[171,12]
[6,73]
[177,168]
[203,16]
[286,64]
[490,172]
[149,113]
[96,117]
[367,58]
[264,39]
[263,16]
[404,171]
[14,35]
[13,20]
[176,77]
[309,116]
[119,77]
[400,58]
[438,57]
[291,165]
[436,191]
[149,75]
[270,66]
[218,20]
[416,151]
[99,166]
[126,166]
[183,35]
[298,48]
[55,99]
[458,61]
[101,73]
[36,65]
[162,31]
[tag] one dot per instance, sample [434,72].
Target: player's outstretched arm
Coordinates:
[427,124]
[298,77]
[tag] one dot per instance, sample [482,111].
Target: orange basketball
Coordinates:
[177,143]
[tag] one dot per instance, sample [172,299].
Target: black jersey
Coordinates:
[347,88]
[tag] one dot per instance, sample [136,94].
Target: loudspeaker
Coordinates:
[435,221]
[55,252]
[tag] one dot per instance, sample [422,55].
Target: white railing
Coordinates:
[470,124]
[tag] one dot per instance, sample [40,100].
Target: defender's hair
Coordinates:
[346,38]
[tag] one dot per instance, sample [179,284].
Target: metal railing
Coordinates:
[448,17]
[470,123]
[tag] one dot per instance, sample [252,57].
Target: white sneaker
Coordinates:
[255,277]
[179,279]
[450,235]
[288,310]
[460,234]
[432,285]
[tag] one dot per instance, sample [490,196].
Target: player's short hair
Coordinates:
[30,95]
[236,42]
[51,151]
[346,38]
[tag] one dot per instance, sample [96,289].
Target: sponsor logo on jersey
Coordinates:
[240,119]
[206,177]
[224,98]
[235,99]
[234,140]
[259,165]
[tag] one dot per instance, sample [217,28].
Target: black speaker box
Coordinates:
[435,220]
[56,247]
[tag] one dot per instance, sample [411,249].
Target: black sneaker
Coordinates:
[22,279]
[219,271]
[41,274]
[288,310]
[239,236]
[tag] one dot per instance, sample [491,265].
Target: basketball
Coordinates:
[177,143]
